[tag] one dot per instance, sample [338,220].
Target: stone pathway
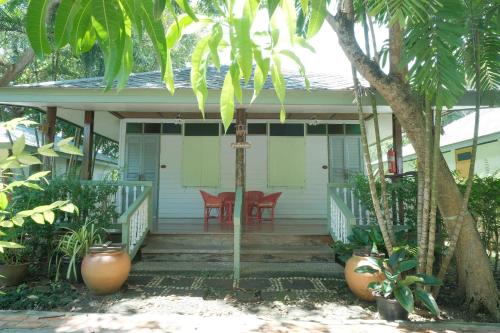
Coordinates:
[45,322]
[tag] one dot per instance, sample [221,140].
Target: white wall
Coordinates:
[176,201]
[385,126]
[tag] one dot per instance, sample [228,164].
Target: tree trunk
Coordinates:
[472,262]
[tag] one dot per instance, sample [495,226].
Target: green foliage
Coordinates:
[484,205]
[399,284]
[41,297]
[74,245]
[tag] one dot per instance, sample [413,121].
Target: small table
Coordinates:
[228,210]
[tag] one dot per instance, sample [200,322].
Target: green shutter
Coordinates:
[200,161]
[286,161]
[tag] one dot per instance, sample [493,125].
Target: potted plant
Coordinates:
[14,263]
[72,248]
[397,292]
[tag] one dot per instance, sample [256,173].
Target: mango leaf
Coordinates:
[18,145]
[278,79]
[28,159]
[318,14]
[36,28]
[303,43]
[227,101]
[213,44]
[82,36]
[290,16]
[127,62]
[169,74]
[299,63]
[3,201]
[49,216]
[186,8]
[304,4]
[260,72]
[199,72]
[282,115]
[174,32]
[271,6]
[244,46]
[404,296]
[64,18]
[4,154]
[38,218]
[155,32]
[68,208]
[235,75]
[428,300]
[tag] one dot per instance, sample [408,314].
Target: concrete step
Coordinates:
[248,268]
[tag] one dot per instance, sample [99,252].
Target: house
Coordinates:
[102,168]
[456,144]
[164,140]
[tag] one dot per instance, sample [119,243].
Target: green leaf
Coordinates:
[299,63]
[304,4]
[278,79]
[6,224]
[68,208]
[18,220]
[36,28]
[49,216]
[282,114]
[169,74]
[430,280]
[64,18]
[46,150]
[82,36]
[410,279]
[199,72]
[184,4]
[70,149]
[290,16]
[174,32]
[10,245]
[235,75]
[271,6]
[27,159]
[318,14]
[227,101]
[4,154]
[405,297]
[18,145]
[406,265]
[243,44]
[38,218]
[428,300]
[159,7]
[213,44]
[4,201]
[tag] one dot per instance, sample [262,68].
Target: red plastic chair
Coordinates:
[212,202]
[251,200]
[228,199]
[267,202]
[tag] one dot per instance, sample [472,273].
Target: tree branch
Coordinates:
[16,69]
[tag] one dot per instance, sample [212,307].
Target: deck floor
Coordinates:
[280,226]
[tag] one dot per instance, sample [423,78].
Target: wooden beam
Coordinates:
[49,131]
[88,143]
[241,125]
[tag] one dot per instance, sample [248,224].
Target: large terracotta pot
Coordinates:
[358,282]
[105,269]
[13,275]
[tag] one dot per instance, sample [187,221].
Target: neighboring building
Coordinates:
[103,164]
[456,144]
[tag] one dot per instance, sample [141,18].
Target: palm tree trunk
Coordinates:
[371,178]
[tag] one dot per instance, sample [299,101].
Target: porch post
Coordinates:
[397,143]
[50,133]
[241,123]
[88,138]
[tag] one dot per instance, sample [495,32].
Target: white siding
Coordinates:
[176,201]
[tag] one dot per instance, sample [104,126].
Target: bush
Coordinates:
[42,297]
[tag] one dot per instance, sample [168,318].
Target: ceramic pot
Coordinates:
[358,282]
[105,269]
[13,275]
[390,309]
[65,263]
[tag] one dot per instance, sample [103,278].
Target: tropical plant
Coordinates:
[16,158]
[73,246]
[398,284]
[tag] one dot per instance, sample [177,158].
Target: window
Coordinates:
[316,129]
[257,129]
[172,129]
[230,131]
[134,128]
[153,128]
[200,161]
[336,129]
[286,161]
[201,129]
[286,130]
[344,158]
